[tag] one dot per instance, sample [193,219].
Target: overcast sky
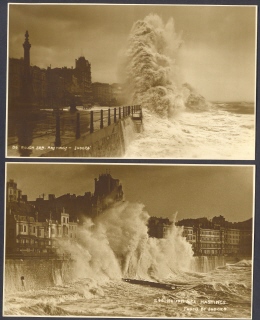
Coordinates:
[217,56]
[193,191]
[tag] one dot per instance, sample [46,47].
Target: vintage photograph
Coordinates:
[127,240]
[131,81]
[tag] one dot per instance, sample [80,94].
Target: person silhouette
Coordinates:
[23,282]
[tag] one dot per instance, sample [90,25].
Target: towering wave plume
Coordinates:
[152,75]
[170,127]
[149,65]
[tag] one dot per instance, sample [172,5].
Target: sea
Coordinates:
[224,292]
[116,247]
[223,131]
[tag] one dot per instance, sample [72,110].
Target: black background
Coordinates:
[3,64]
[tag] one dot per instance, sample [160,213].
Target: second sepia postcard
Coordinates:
[146,241]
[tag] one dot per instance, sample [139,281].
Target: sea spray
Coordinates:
[167,258]
[210,134]
[160,138]
[91,254]
[116,245]
[193,100]
[105,245]
[149,65]
[152,75]
[126,229]
[178,122]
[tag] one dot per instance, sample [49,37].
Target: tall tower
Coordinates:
[26,88]
[26,46]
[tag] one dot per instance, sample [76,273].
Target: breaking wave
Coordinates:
[117,245]
[152,75]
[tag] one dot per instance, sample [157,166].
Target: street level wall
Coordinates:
[40,273]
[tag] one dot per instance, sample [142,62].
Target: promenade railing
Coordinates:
[59,127]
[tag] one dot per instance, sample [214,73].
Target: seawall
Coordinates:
[42,273]
[37,274]
[110,141]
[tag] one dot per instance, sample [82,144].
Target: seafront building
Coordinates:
[56,87]
[107,191]
[26,235]
[35,227]
[209,238]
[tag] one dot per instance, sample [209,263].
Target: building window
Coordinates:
[20,228]
[24,228]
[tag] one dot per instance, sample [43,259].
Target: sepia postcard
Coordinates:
[131,81]
[124,240]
